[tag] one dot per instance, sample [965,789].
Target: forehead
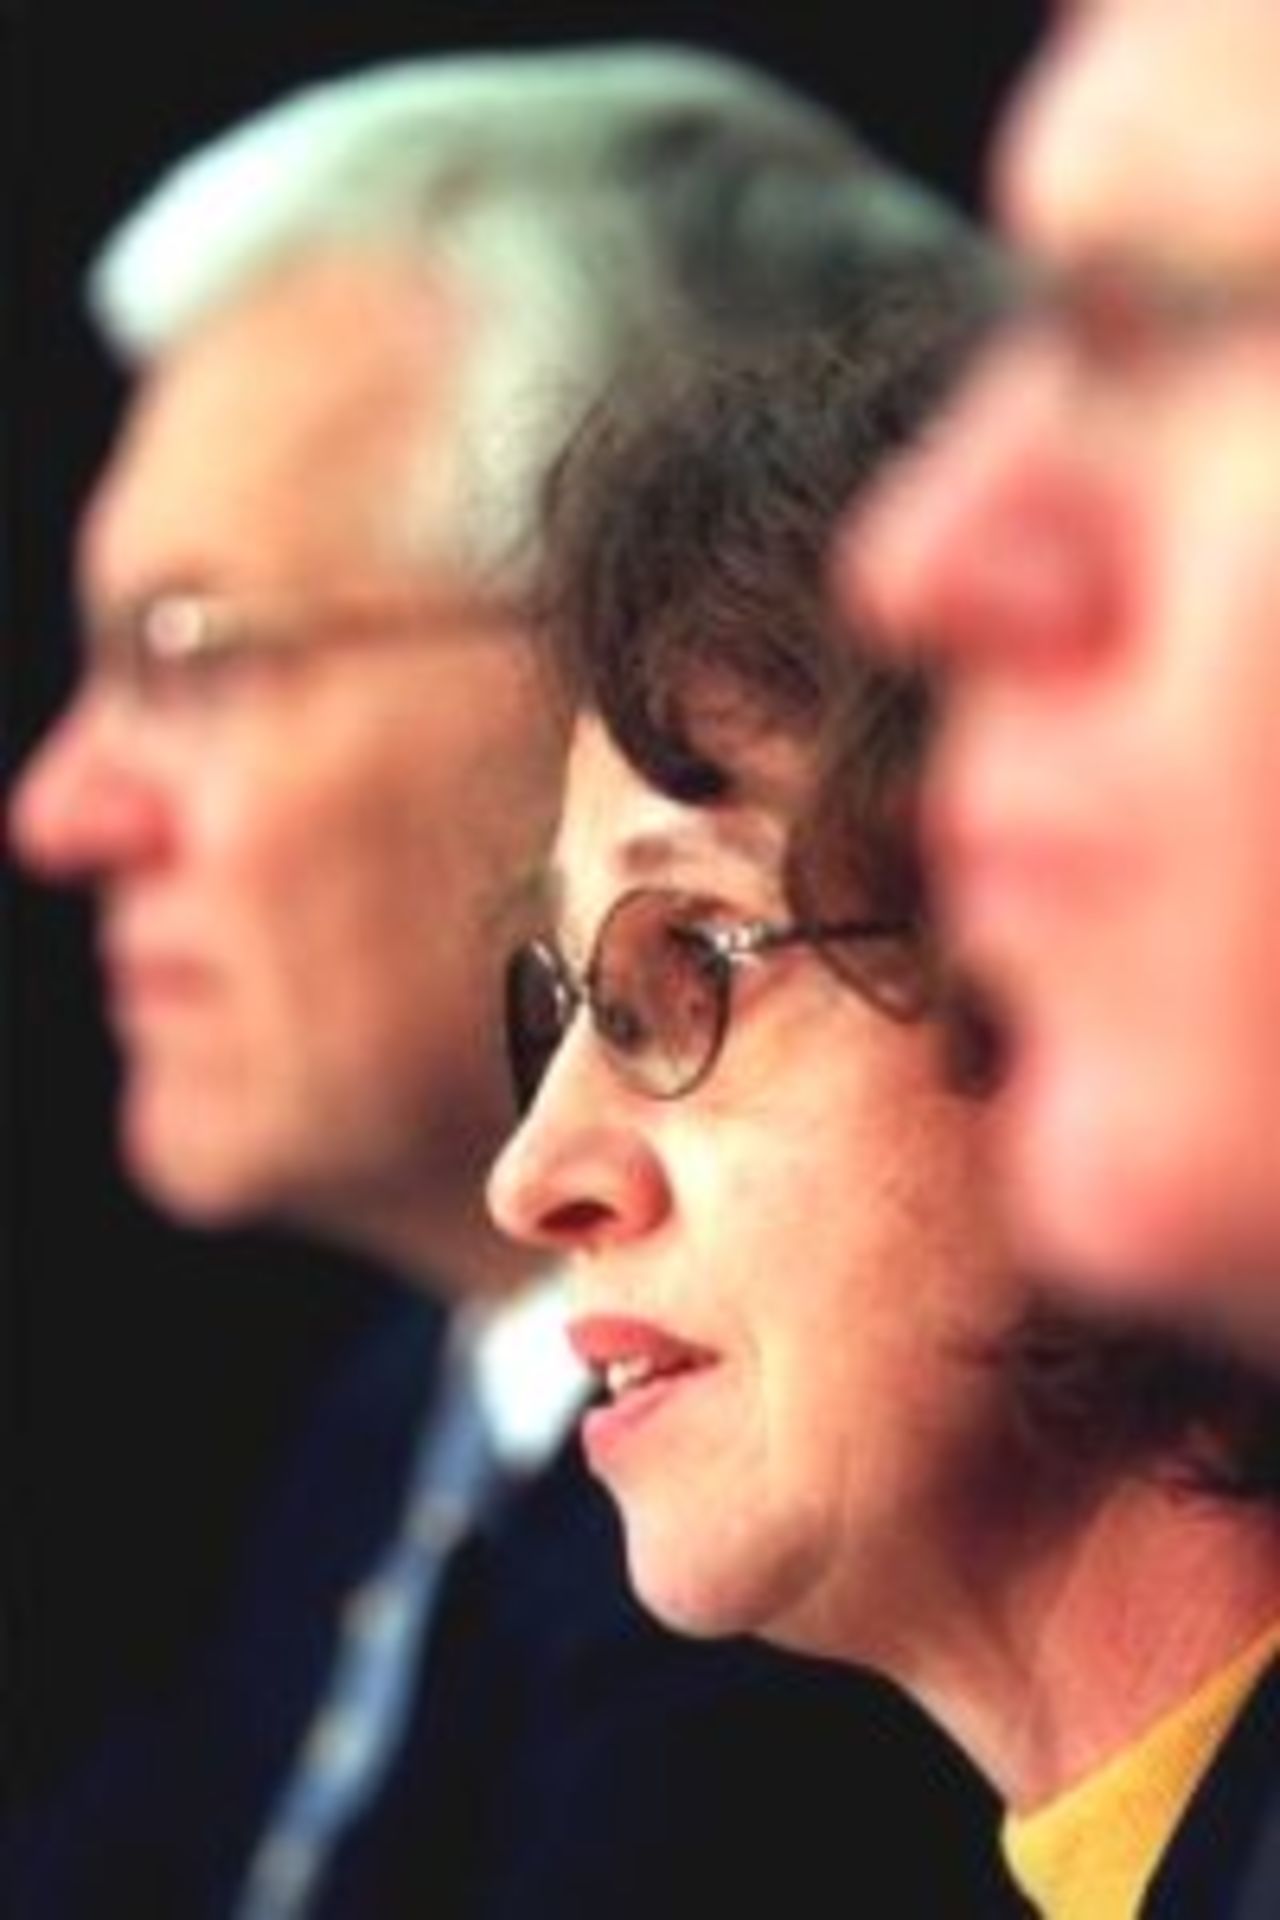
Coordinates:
[615,830]
[1149,126]
[274,433]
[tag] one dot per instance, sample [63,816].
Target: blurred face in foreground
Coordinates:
[776,1227]
[1090,546]
[303,764]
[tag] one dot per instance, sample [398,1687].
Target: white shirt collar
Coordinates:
[530,1383]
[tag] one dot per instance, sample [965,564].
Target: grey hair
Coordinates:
[605,203]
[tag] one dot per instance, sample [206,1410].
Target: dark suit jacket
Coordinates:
[567,1759]
[1224,1860]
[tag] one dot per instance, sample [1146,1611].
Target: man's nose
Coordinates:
[990,542]
[85,802]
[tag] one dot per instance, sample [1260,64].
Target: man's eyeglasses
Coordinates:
[179,646]
[658,988]
[1115,310]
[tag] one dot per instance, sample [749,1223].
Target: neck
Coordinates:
[1072,1644]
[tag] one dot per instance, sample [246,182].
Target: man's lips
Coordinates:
[136,982]
[1019,820]
[1001,871]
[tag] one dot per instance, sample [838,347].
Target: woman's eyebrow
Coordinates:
[678,856]
[648,856]
[747,836]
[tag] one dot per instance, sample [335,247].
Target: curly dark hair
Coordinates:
[684,579]
[684,599]
[686,529]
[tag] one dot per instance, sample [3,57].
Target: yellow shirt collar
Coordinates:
[1089,1854]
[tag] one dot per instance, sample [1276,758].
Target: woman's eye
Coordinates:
[621,1025]
[699,948]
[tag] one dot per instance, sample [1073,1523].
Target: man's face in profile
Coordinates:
[298,841]
[1093,547]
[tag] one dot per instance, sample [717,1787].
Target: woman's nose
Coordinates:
[580,1171]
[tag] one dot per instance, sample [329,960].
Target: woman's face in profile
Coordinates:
[774,1272]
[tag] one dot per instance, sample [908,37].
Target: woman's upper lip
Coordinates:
[603,1340]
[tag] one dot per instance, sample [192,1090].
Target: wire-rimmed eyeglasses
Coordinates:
[658,988]
[1114,309]
[177,646]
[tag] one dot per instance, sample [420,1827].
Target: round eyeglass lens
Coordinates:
[538,1009]
[658,990]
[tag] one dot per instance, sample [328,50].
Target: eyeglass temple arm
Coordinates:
[762,936]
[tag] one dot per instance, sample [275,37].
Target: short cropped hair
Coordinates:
[601,201]
[684,603]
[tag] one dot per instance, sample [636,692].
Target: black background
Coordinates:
[149,1375]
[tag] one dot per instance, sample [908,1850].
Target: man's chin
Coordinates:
[1106,1191]
[187,1179]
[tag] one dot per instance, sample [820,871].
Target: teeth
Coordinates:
[621,1375]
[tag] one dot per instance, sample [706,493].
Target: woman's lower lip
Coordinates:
[607,1430]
